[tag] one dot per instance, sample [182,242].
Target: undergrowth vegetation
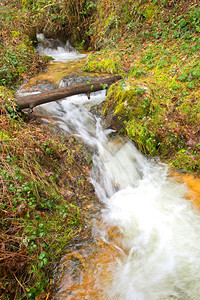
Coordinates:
[125,23]
[66,19]
[42,177]
[18,57]
[155,46]
[20,21]
[39,192]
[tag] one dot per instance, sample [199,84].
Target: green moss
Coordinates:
[151,11]
[4,136]
[185,161]
[145,138]
[97,63]
[157,110]
[5,94]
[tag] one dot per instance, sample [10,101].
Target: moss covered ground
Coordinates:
[155,46]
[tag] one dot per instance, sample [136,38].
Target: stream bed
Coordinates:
[146,235]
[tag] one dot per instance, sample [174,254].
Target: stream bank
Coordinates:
[46,199]
[155,46]
[152,104]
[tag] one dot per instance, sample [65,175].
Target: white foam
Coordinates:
[159,227]
[63,54]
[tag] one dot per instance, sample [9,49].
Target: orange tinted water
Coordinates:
[57,71]
[194,188]
[193,184]
[94,273]
[95,270]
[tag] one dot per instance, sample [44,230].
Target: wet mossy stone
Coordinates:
[70,80]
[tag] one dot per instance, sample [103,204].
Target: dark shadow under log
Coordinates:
[31,101]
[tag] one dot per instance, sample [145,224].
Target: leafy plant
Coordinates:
[34,207]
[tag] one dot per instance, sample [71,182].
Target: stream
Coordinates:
[147,233]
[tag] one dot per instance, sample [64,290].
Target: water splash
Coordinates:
[57,50]
[160,232]
[159,228]
[155,253]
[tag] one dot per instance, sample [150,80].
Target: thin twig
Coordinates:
[20,283]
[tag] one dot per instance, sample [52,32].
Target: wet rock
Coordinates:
[47,42]
[40,86]
[113,120]
[67,81]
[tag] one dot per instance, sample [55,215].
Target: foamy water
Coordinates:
[160,232]
[58,52]
[159,229]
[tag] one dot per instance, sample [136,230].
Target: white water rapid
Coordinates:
[159,229]
[56,50]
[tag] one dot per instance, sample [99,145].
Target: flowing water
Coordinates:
[148,233]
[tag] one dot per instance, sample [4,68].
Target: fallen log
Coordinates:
[31,101]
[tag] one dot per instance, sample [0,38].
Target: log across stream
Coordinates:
[147,234]
[31,101]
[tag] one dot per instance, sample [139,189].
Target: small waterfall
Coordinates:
[57,50]
[157,244]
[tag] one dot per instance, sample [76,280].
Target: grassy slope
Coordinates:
[39,190]
[38,201]
[155,46]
